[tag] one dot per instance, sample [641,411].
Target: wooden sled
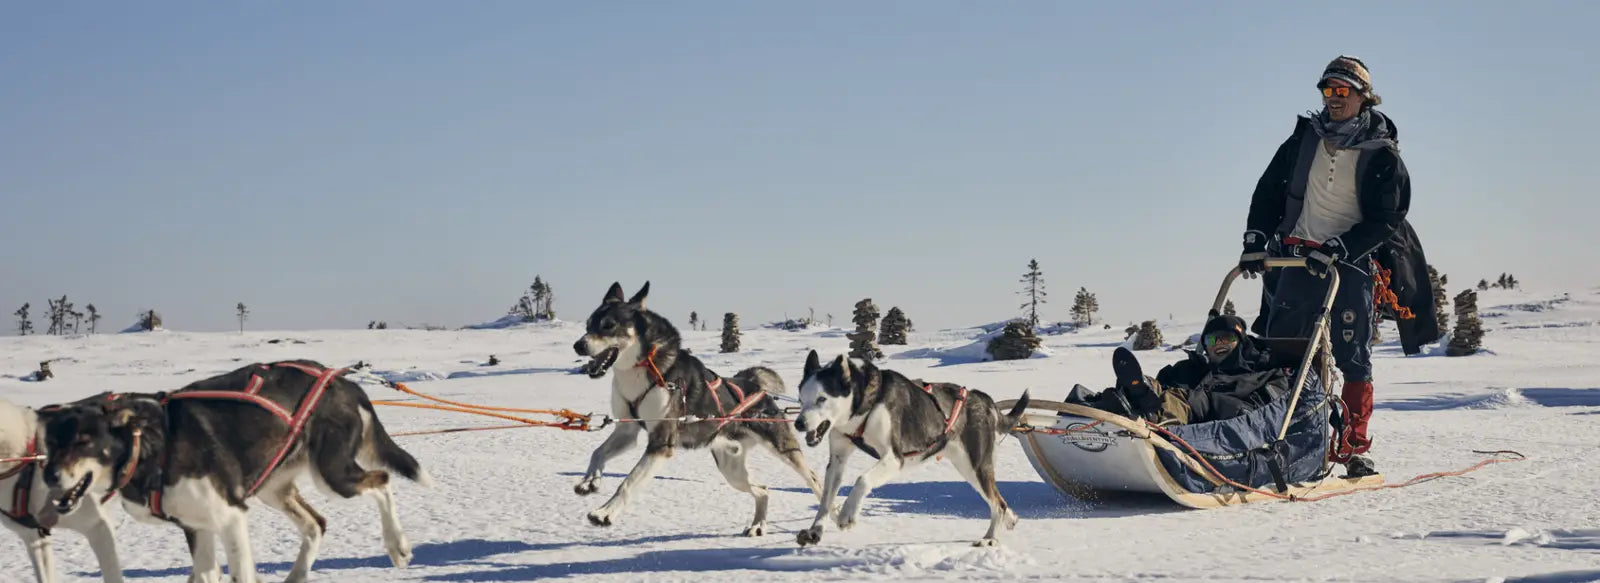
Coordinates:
[1117,456]
[1088,453]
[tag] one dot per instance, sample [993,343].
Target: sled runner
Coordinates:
[1272,453]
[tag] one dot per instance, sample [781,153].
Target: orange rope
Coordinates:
[1292,498]
[1383,297]
[461,429]
[570,420]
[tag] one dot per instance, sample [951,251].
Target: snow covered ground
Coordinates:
[503,507]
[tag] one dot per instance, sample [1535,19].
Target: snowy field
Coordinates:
[503,509]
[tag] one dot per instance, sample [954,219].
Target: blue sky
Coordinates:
[420,162]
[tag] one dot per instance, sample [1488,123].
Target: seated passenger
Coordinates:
[1229,377]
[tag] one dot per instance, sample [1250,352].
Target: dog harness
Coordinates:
[744,401]
[20,494]
[932,448]
[251,394]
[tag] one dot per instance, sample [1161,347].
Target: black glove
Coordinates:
[1323,258]
[1254,258]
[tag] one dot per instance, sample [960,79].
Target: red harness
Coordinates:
[251,394]
[745,401]
[949,424]
[20,494]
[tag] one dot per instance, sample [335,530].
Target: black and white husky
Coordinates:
[26,502]
[902,423]
[194,456]
[667,392]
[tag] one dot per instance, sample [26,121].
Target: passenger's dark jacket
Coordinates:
[1383,233]
[1246,375]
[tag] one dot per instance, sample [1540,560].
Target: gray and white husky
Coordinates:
[29,510]
[903,423]
[660,387]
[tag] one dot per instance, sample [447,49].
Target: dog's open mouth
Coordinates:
[814,436]
[70,500]
[597,366]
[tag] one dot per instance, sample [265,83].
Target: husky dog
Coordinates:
[902,423]
[659,387]
[26,500]
[194,456]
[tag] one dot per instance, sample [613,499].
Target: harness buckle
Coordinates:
[605,421]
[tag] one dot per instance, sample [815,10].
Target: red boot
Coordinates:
[1357,397]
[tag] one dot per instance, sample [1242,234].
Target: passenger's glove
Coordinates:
[1321,259]
[1253,260]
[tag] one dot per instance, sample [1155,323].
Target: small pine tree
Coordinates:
[1227,309]
[730,332]
[382,325]
[1511,282]
[1148,336]
[1501,283]
[1034,291]
[863,343]
[1017,341]
[24,325]
[77,320]
[895,326]
[694,320]
[1084,307]
[1483,285]
[243,313]
[149,320]
[94,317]
[1468,337]
[1441,300]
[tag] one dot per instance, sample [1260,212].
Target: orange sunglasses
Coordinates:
[1332,91]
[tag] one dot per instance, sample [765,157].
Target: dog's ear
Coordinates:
[812,364]
[614,294]
[844,368]
[638,299]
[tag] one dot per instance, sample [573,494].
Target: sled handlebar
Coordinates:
[1320,335]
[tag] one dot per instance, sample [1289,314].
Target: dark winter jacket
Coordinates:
[1384,187]
[1247,374]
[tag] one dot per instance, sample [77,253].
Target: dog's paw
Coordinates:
[845,520]
[756,530]
[601,517]
[400,556]
[587,487]
[809,536]
[1011,520]
[987,542]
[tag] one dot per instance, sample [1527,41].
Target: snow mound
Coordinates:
[975,351]
[516,321]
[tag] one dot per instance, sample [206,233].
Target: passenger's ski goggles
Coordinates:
[1221,337]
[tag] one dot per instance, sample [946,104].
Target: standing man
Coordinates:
[1337,193]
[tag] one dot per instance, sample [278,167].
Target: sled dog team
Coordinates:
[194,457]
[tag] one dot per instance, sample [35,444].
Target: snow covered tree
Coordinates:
[77,319]
[24,325]
[694,320]
[149,320]
[60,310]
[1016,342]
[1441,299]
[1511,282]
[1227,309]
[1501,283]
[730,332]
[1148,336]
[895,326]
[1468,337]
[94,317]
[1483,285]
[1034,291]
[243,313]
[863,342]
[1084,307]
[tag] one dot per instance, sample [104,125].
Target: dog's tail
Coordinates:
[764,379]
[382,449]
[1012,419]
